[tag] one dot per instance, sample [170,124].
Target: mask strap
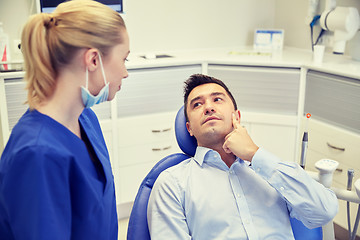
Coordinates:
[102,69]
[86,78]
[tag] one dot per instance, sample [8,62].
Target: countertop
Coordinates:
[247,56]
[288,57]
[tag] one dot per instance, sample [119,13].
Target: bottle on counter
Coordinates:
[4,49]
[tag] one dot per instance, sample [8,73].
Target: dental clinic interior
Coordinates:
[293,67]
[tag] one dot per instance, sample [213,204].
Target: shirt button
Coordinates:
[238,195]
[246,221]
[281,188]
[215,156]
[231,172]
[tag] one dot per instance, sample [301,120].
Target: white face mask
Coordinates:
[90,100]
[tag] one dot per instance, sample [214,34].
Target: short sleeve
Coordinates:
[35,190]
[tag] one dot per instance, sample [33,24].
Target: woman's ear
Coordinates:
[92,59]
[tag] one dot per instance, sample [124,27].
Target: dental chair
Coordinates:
[138,226]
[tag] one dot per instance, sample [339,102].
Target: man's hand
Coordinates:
[239,143]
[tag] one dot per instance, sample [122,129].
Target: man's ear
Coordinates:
[238,115]
[189,128]
[91,59]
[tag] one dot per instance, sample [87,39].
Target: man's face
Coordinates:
[209,110]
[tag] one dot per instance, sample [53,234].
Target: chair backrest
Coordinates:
[138,226]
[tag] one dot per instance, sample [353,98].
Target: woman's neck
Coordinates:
[65,104]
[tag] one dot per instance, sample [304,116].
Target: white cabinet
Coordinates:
[140,147]
[12,103]
[334,128]
[268,99]
[331,142]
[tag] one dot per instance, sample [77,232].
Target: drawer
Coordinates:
[335,143]
[340,175]
[146,129]
[129,177]
[150,152]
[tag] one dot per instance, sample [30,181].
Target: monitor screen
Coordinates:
[48,6]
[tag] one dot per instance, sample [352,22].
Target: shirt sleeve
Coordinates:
[166,218]
[35,195]
[307,200]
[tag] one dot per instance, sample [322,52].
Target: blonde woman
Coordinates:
[55,174]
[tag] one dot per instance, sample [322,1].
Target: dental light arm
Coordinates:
[312,11]
[344,22]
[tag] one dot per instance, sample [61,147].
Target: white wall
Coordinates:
[161,25]
[172,24]
[14,13]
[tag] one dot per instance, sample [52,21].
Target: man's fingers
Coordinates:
[226,149]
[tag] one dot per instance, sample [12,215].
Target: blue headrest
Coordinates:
[186,142]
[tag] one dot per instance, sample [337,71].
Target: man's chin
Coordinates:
[213,135]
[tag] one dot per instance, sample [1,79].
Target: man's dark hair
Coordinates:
[199,79]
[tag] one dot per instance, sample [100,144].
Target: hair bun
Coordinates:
[50,21]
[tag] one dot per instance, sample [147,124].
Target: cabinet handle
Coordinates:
[338,170]
[334,147]
[161,149]
[166,148]
[159,131]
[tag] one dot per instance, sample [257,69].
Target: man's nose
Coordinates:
[209,108]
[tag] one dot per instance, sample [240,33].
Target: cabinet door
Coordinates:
[261,89]
[16,96]
[333,99]
[272,94]
[154,90]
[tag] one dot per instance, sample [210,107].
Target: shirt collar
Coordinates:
[200,154]
[211,157]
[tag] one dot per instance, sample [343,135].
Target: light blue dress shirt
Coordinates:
[203,199]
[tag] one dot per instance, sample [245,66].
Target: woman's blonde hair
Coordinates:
[50,41]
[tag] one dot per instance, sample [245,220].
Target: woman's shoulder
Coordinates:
[35,130]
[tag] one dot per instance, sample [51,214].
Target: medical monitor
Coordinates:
[48,6]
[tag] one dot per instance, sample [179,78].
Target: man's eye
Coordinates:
[217,99]
[196,105]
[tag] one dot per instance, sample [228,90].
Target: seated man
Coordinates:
[231,188]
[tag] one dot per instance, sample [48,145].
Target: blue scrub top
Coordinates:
[49,186]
